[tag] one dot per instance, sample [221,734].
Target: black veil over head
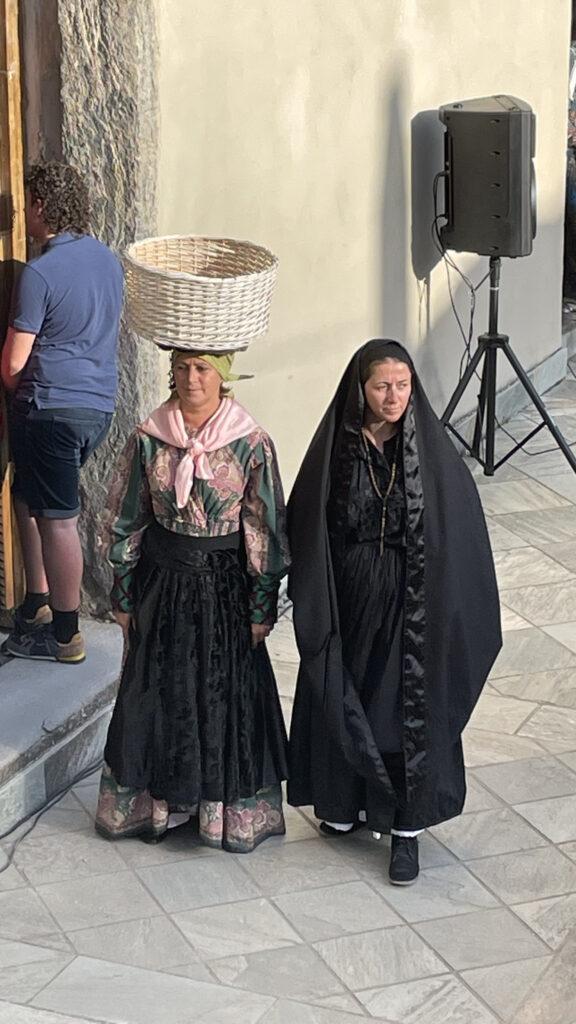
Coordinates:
[349,416]
[452,619]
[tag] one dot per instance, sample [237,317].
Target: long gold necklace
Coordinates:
[383,497]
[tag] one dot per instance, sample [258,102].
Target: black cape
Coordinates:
[451,609]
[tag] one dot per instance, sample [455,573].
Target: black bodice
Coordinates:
[364,512]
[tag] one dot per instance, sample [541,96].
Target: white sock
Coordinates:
[407,835]
[177,818]
[339,826]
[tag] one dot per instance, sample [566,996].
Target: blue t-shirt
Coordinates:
[70,297]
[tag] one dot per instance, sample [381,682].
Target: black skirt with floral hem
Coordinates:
[197,724]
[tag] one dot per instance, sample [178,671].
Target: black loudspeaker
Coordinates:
[490,188]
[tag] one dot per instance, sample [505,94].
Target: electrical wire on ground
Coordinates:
[35,818]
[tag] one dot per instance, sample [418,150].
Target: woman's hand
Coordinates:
[123,619]
[259,632]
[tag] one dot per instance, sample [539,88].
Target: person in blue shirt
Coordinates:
[59,361]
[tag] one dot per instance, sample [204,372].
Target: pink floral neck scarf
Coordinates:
[229,423]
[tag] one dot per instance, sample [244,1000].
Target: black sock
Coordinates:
[64,625]
[32,603]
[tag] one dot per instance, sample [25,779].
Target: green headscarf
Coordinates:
[222,362]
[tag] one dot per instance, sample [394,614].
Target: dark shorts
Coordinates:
[48,448]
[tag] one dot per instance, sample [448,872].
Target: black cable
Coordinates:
[35,818]
[450,263]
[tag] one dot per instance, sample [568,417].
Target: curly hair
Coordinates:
[64,194]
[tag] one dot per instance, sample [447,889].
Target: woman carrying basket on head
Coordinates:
[198,547]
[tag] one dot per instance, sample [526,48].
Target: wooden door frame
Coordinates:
[12,252]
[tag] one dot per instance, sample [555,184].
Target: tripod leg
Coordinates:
[479,424]
[539,404]
[447,414]
[490,365]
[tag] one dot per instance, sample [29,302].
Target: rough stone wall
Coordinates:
[108,97]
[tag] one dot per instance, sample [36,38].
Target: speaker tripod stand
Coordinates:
[488,347]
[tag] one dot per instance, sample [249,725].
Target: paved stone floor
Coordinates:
[307,930]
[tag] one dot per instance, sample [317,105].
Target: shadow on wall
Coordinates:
[392,257]
[439,346]
[427,159]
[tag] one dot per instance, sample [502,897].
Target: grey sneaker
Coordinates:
[42,645]
[41,619]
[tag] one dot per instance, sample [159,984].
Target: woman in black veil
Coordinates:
[396,610]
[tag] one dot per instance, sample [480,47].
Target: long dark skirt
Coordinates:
[197,725]
[371,590]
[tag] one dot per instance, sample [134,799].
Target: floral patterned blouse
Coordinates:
[245,494]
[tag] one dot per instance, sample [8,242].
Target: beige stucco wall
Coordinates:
[290,122]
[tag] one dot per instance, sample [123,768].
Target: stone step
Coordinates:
[53,722]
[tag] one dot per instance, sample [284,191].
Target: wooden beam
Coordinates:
[12,250]
[14,125]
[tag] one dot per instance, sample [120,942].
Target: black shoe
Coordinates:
[404,867]
[153,838]
[338,832]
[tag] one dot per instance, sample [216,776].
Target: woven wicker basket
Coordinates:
[190,292]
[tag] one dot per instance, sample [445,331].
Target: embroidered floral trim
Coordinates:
[237,827]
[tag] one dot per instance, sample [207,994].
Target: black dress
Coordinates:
[370,589]
[197,726]
[395,647]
